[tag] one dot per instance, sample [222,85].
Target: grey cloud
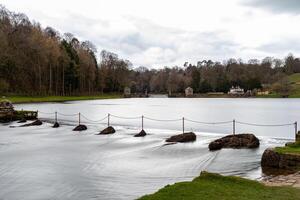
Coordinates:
[277,6]
[149,44]
[283,47]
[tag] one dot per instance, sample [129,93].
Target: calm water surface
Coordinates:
[46,163]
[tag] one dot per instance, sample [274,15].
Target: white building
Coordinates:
[189,92]
[236,90]
[127,91]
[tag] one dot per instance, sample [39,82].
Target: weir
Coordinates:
[182,120]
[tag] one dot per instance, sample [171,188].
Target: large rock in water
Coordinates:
[285,161]
[108,130]
[235,141]
[141,134]
[270,158]
[35,123]
[80,127]
[185,137]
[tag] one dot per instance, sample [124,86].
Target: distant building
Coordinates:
[236,91]
[127,92]
[189,92]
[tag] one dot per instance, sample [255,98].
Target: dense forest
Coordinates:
[41,61]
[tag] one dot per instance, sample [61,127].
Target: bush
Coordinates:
[4,86]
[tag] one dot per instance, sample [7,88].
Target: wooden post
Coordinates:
[55,117]
[142,122]
[296,131]
[108,120]
[233,127]
[183,125]
[78,118]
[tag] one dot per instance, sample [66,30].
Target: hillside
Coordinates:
[295,85]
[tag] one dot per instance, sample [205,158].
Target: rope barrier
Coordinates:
[233,122]
[266,125]
[95,121]
[67,115]
[46,113]
[120,117]
[163,120]
[170,120]
[210,123]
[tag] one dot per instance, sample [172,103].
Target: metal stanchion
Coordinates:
[183,125]
[296,131]
[55,117]
[108,120]
[78,118]
[142,122]
[233,127]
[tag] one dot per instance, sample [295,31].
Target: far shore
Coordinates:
[41,99]
[17,99]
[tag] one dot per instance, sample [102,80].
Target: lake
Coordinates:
[46,163]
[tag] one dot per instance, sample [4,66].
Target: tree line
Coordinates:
[41,61]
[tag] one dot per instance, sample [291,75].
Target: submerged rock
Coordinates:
[80,127]
[35,123]
[235,141]
[141,134]
[22,121]
[55,125]
[185,137]
[108,130]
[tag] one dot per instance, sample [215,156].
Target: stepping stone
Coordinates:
[80,127]
[182,138]
[107,131]
[55,125]
[141,134]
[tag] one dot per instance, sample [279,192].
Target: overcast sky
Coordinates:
[156,33]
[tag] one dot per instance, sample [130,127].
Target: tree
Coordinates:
[196,78]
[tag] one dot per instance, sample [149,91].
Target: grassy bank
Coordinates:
[290,148]
[36,99]
[212,186]
[294,82]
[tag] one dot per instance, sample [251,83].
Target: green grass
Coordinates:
[272,95]
[290,148]
[35,99]
[295,84]
[294,80]
[213,186]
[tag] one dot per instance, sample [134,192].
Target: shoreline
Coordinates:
[43,99]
